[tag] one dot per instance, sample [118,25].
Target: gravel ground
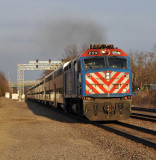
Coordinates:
[35,132]
[134,132]
[141,123]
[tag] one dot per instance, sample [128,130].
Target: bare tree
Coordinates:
[143,68]
[71,52]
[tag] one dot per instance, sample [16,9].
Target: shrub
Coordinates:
[2,91]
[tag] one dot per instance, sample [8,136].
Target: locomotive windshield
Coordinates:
[92,63]
[116,62]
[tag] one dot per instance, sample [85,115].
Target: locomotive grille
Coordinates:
[98,83]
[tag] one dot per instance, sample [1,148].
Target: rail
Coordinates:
[143,114]
[144,109]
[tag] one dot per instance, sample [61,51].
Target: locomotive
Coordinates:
[97,84]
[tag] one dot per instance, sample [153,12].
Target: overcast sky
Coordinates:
[31,29]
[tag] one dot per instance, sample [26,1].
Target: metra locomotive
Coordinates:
[97,84]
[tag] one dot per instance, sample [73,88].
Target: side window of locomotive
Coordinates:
[116,62]
[79,66]
[93,63]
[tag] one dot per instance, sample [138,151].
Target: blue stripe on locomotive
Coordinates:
[83,72]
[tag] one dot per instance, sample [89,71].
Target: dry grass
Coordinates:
[144,99]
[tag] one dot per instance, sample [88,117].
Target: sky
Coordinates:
[41,29]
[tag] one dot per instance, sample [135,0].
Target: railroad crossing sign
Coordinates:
[33,65]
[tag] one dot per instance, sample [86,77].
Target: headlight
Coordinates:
[107,75]
[124,90]
[105,52]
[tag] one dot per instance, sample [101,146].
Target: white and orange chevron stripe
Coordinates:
[96,83]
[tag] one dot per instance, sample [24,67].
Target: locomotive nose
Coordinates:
[107,82]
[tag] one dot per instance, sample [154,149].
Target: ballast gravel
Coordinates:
[35,132]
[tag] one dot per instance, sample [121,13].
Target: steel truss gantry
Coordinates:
[33,66]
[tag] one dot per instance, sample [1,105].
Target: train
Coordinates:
[97,85]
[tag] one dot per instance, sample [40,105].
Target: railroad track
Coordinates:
[130,136]
[142,116]
[143,109]
[112,127]
[142,129]
[115,127]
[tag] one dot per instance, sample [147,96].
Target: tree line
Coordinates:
[143,66]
